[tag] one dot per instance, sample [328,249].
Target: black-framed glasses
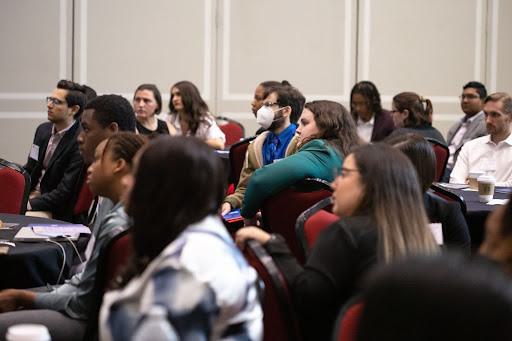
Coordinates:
[468,96]
[269,104]
[54,101]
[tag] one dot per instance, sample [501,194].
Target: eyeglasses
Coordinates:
[269,104]
[470,96]
[54,101]
[343,172]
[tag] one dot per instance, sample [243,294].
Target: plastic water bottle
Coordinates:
[156,327]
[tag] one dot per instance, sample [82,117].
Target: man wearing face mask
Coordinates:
[278,115]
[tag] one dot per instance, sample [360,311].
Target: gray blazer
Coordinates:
[475,129]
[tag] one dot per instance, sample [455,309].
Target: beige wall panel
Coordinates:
[128,43]
[430,47]
[503,58]
[36,52]
[309,43]
[29,61]
[427,46]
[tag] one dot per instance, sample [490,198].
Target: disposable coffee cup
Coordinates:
[486,185]
[27,332]
[473,182]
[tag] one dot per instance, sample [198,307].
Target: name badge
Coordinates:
[437,232]
[34,152]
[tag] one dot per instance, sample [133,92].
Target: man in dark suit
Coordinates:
[54,162]
[471,126]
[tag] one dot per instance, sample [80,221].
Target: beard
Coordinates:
[277,123]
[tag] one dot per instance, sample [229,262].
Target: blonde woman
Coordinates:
[379,200]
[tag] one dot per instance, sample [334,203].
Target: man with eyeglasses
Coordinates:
[471,126]
[278,114]
[54,161]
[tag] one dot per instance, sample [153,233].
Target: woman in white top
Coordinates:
[190,117]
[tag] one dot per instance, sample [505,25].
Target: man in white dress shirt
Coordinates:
[490,153]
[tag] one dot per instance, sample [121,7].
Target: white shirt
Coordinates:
[457,138]
[481,154]
[205,131]
[365,129]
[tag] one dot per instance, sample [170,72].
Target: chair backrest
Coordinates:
[348,321]
[442,154]
[279,321]
[14,188]
[84,200]
[450,196]
[233,130]
[112,258]
[312,222]
[237,158]
[280,212]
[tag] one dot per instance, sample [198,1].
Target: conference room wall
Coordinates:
[227,46]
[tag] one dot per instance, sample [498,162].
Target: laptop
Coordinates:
[27,234]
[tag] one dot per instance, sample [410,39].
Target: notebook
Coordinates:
[27,234]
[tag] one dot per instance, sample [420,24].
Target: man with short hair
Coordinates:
[492,153]
[70,304]
[472,125]
[54,161]
[281,107]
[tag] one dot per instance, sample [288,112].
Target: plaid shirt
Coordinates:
[203,282]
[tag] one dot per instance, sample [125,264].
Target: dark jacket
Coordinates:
[60,178]
[383,126]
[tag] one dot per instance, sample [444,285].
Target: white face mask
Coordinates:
[265,116]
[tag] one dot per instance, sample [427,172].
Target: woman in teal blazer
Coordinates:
[326,133]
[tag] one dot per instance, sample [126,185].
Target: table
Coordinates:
[29,264]
[477,212]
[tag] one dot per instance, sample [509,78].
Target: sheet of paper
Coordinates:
[497,202]
[437,231]
[60,229]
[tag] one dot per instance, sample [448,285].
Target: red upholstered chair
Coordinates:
[450,196]
[14,188]
[312,222]
[279,321]
[84,200]
[280,212]
[237,158]
[442,154]
[348,321]
[233,130]
[112,258]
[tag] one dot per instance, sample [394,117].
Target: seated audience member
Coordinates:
[412,114]
[491,153]
[189,115]
[472,125]
[54,162]
[260,93]
[449,214]
[64,310]
[442,298]
[182,233]
[147,103]
[373,122]
[326,133]
[277,116]
[497,244]
[103,116]
[90,93]
[376,198]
